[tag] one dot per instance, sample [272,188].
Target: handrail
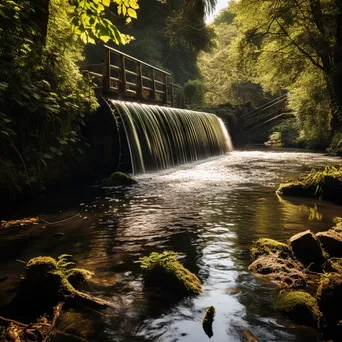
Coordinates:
[136,59]
[127,77]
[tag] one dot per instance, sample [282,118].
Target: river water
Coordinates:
[210,212]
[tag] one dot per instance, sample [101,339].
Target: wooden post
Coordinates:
[139,79]
[153,95]
[106,72]
[166,89]
[172,95]
[123,84]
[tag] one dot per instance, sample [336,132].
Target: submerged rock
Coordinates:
[329,296]
[164,271]
[208,320]
[119,178]
[266,246]
[332,242]
[300,306]
[307,249]
[285,272]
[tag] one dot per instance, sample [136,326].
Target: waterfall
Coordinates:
[162,137]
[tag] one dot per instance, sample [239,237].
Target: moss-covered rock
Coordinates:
[338,227]
[325,183]
[208,320]
[300,306]
[285,272]
[46,281]
[119,178]
[332,242]
[307,249]
[329,297]
[266,246]
[164,271]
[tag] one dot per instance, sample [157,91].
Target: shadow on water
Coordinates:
[210,212]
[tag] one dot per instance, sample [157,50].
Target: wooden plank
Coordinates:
[131,84]
[139,79]
[123,85]
[158,82]
[166,96]
[106,71]
[153,94]
[129,72]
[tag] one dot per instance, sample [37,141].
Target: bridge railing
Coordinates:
[126,77]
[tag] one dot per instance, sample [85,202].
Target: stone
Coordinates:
[119,178]
[329,297]
[332,242]
[285,272]
[300,306]
[265,246]
[296,188]
[307,249]
[208,320]
[163,270]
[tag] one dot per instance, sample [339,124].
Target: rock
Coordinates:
[332,188]
[164,271]
[247,335]
[285,272]
[208,320]
[329,297]
[332,242]
[266,246]
[307,249]
[325,183]
[296,188]
[119,178]
[300,306]
[338,227]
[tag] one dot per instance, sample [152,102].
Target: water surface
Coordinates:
[210,212]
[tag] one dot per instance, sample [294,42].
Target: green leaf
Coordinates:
[132,13]
[106,3]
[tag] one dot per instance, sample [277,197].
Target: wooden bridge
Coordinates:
[124,77]
[263,118]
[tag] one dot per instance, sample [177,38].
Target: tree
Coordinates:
[284,39]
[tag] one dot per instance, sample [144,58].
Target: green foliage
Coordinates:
[90,23]
[168,34]
[44,98]
[223,79]
[193,92]
[285,134]
[283,45]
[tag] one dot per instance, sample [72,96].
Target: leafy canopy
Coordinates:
[88,19]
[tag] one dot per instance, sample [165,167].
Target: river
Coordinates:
[210,212]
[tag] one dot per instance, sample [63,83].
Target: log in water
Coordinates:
[160,137]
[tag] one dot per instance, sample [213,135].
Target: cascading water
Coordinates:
[162,137]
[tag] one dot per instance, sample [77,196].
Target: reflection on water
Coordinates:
[211,212]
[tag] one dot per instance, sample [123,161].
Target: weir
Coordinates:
[159,138]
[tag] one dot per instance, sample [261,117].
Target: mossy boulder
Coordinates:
[119,178]
[325,183]
[208,320]
[338,227]
[46,281]
[300,306]
[296,188]
[285,272]
[332,242]
[307,249]
[265,246]
[329,297]
[163,270]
